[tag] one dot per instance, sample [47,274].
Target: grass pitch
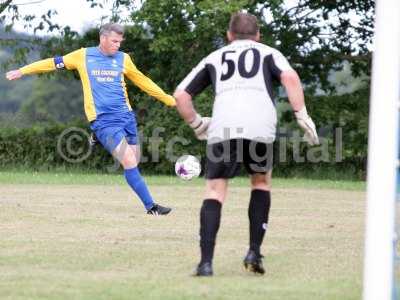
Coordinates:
[87,237]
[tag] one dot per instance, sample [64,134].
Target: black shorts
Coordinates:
[224,159]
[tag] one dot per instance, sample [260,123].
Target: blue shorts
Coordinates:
[110,129]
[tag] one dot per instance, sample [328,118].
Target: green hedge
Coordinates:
[37,147]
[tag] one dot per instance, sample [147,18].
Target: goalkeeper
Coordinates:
[241,130]
[102,71]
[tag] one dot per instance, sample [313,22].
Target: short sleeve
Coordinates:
[197,80]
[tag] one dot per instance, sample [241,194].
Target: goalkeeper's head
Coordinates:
[111,37]
[243,26]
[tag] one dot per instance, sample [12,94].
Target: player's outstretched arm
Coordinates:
[185,108]
[69,61]
[41,66]
[291,81]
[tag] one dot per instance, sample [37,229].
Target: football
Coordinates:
[187,167]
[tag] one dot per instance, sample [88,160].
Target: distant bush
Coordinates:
[342,122]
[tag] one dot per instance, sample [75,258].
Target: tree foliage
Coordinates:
[316,35]
[167,38]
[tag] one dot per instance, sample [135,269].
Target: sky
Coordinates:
[79,16]
[75,13]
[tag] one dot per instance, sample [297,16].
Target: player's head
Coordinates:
[243,26]
[111,37]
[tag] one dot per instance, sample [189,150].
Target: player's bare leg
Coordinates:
[216,189]
[260,202]
[261,181]
[210,217]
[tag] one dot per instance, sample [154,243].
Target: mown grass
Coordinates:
[73,178]
[84,236]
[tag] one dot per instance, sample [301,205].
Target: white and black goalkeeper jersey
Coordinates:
[241,75]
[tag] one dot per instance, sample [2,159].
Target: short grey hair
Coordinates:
[243,25]
[106,29]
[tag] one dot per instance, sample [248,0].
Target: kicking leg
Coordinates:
[129,157]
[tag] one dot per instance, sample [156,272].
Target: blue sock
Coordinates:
[137,184]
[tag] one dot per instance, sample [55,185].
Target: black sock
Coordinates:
[260,202]
[210,217]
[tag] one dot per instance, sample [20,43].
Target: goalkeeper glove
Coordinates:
[307,124]
[200,125]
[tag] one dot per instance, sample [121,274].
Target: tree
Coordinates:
[10,14]
[58,99]
[166,38]
[316,35]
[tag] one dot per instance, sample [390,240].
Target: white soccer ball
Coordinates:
[187,167]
